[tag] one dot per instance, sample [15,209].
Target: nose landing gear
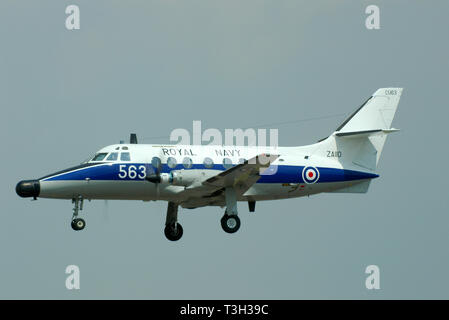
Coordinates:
[77,223]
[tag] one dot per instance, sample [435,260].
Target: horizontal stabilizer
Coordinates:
[364,133]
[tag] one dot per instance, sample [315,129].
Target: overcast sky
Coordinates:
[152,66]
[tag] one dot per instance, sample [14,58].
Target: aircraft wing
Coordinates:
[241,177]
[243,172]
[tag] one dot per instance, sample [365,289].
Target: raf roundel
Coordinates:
[310,175]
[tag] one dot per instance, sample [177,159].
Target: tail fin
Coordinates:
[376,113]
[359,140]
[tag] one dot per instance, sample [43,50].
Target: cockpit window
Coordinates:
[113,156]
[99,156]
[124,156]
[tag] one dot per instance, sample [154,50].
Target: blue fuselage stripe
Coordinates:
[275,174]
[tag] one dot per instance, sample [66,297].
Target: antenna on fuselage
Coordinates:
[133,138]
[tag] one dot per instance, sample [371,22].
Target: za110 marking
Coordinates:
[333,154]
[132,172]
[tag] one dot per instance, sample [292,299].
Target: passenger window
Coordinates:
[124,156]
[171,162]
[208,163]
[187,163]
[113,156]
[227,163]
[242,160]
[99,156]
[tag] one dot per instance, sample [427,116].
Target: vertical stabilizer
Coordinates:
[361,137]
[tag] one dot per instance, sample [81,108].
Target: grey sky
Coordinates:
[152,66]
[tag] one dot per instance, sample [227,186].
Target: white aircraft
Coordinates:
[195,176]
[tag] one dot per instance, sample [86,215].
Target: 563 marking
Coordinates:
[132,171]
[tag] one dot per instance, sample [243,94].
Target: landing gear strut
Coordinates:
[230,222]
[173,230]
[77,223]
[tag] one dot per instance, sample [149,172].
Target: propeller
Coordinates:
[106,211]
[154,175]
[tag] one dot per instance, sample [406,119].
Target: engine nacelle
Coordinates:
[187,178]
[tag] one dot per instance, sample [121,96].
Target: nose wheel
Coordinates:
[77,224]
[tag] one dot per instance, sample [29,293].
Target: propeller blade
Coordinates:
[154,174]
[106,211]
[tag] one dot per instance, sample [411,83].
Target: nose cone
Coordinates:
[28,188]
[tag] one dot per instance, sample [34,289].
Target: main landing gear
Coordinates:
[173,230]
[77,223]
[230,222]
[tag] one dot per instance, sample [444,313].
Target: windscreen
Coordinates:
[99,156]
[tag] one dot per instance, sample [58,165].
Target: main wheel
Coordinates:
[230,223]
[78,224]
[173,232]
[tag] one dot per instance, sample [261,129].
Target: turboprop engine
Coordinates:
[183,178]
